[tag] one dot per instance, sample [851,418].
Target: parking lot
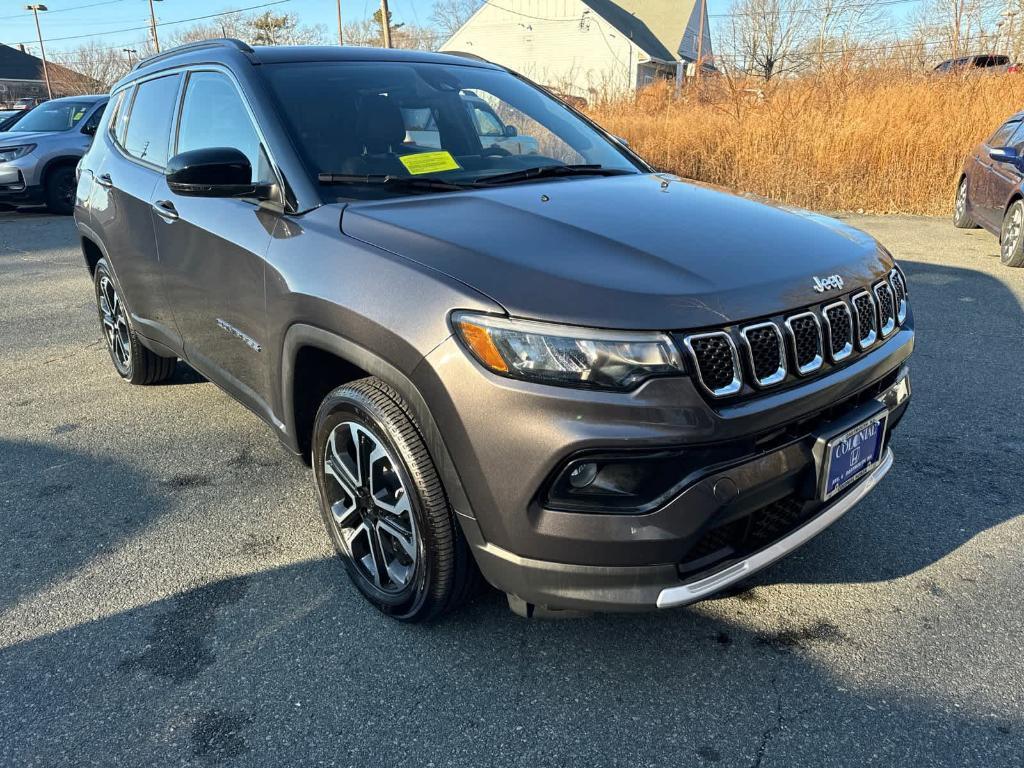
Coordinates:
[168,597]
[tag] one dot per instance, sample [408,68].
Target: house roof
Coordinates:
[18,65]
[655,26]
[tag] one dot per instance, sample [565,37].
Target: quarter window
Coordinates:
[1002,136]
[214,115]
[149,124]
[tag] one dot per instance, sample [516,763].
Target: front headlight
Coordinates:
[565,355]
[13,153]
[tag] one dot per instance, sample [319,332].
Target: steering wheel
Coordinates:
[495,151]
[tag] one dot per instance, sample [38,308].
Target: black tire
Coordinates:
[1011,235]
[961,219]
[132,361]
[60,190]
[443,574]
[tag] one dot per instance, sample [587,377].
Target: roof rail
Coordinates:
[216,42]
[466,55]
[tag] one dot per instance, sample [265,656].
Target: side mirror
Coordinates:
[89,129]
[510,131]
[1005,155]
[213,172]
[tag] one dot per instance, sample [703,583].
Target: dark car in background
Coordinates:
[987,62]
[603,387]
[990,189]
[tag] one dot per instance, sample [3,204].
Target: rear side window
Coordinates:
[118,109]
[149,123]
[1002,136]
[213,115]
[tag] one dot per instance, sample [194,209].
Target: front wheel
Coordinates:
[384,506]
[60,191]
[1011,243]
[961,219]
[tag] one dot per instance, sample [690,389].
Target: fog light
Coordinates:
[583,474]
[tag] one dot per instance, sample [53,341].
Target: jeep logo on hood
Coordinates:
[830,283]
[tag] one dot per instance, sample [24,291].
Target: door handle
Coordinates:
[104,180]
[165,209]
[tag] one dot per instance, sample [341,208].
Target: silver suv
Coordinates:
[39,153]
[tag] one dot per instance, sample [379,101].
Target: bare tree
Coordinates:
[89,68]
[766,38]
[449,15]
[838,26]
[257,29]
[960,27]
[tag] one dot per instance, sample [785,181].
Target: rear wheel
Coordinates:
[133,362]
[961,219]
[60,190]
[1011,241]
[384,506]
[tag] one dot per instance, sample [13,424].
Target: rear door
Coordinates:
[128,172]
[212,249]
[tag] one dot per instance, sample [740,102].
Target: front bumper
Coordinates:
[604,561]
[581,587]
[14,187]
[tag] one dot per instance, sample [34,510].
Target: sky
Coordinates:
[102,19]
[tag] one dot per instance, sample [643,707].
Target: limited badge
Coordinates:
[429,162]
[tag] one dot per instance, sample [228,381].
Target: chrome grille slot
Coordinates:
[899,290]
[718,365]
[864,315]
[767,353]
[805,336]
[886,308]
[839,324]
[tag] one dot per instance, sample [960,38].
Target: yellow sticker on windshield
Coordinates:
[429,162]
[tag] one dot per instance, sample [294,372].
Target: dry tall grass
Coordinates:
[877,141]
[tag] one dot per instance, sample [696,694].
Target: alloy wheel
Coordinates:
[961,200]
[1011,230]
[370,507]
[115,325]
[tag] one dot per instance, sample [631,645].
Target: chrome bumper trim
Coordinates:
[697,590]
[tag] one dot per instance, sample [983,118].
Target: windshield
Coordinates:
[459,124]
[53,116]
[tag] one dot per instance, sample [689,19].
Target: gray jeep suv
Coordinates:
[39,153]
[598,386]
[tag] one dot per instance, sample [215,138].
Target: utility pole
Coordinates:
[129,51]
[152,26]
[341,37]
[42,49]
[700,39]
[385,23]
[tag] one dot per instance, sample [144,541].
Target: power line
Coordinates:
[65,10]
[159,24]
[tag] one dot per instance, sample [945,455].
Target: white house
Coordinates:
[587,48]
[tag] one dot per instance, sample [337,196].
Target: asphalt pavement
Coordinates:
[168,595]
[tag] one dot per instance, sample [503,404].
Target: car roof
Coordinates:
[90,97]
[231,51]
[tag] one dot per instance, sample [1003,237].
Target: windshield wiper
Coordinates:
[551,171]
[408,182]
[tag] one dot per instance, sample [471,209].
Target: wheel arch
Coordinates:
[1017,195]
[316,361]
[54,163]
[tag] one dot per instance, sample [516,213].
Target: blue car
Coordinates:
[990,193]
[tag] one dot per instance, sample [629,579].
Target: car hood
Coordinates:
[26,137]
[638,251]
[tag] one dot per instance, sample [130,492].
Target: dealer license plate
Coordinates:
[853,454]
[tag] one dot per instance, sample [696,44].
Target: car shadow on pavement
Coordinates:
[958,449]
[283,667]
[60,508]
